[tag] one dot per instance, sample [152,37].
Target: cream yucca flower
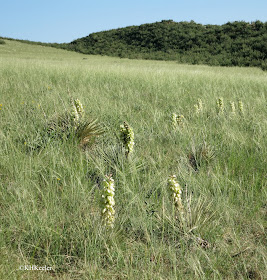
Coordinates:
[108,211]
[180,120]
[74,114]
[197,110]
[200,105]
[177,120]
[77,111]
[220,105]
[241,107]
[127,137]
[174,120]
[232,104]
[79,108]
[176,192]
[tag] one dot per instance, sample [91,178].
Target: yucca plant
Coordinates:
[204,153]
[73,123]
[108,202]
[127,138]
[232,105]
[177,120]
[241,107]
[175,193]
[87,131]
[220,105]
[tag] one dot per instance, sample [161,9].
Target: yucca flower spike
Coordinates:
[79,107]
[174,120]
[241,107]
[180,120]
[74,114]
[197,110]
[200,105]
[232,104]
[127,137]
[220,105]
[176,192]
[108,211]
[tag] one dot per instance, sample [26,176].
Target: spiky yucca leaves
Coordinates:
[201,154]
[74,123]
[87,131]
[127,137]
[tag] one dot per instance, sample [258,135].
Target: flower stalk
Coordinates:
[220,105]
[232,104]
[177,120]
[176,192]
[127,137]
[241,107]
[108,211]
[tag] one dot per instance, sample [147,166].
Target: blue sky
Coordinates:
[66,20]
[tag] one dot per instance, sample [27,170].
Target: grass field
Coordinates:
[50,197]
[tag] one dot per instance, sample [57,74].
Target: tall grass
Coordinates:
[50,197]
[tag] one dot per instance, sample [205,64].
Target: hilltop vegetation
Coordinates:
[236,43]
[231,44]
[51,191]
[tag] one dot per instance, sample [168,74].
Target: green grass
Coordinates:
[50,197]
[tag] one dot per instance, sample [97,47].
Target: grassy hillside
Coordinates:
[231,44]
[50,191]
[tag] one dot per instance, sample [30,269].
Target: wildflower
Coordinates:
[241,107]
[108,212]
[127,137]
[197,109]
[220,105]
[200,105]
[58,179]
[177,120]
[174,120]
[176,193]
[79,107]
[180,120]
[74,114]
[232,104]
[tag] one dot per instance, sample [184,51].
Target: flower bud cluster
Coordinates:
[199,106]
[79,108]
[241,107]
[220,105]
[177,120]
[176,192]
[108,211]
[127,137]
[232,104]
[180,120]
